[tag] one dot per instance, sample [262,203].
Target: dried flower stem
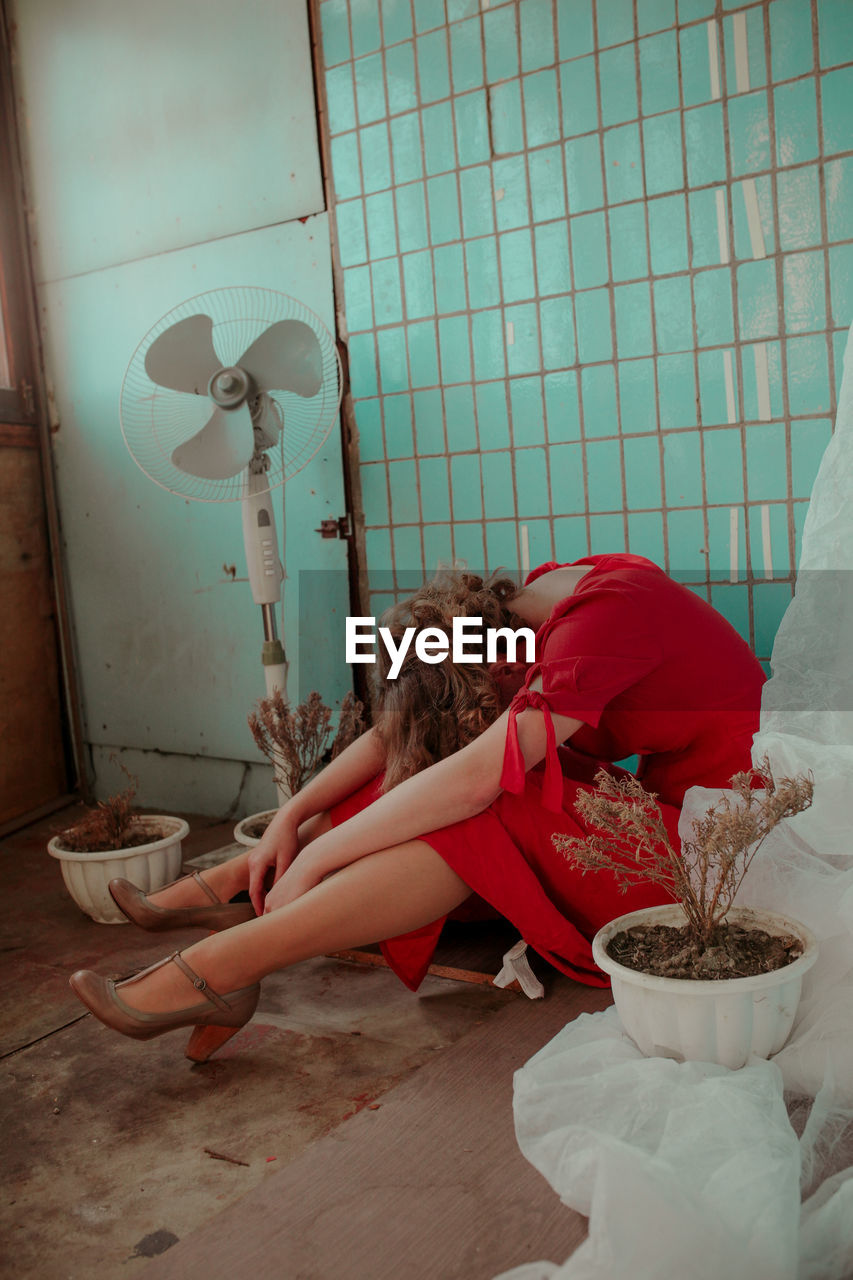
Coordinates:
[108,825]
[295,741]
[706,876]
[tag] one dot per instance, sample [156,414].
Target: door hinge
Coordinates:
[333,528]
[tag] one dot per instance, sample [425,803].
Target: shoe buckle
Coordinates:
[199,984]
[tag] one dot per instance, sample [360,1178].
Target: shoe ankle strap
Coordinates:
[199,983]
[207,889]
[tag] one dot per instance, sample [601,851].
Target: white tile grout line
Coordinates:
[733,545]
[753,218]
[728,374]
[741,53]
[766,543]
[525,552]
[713,59]
[762,381]
[722,225]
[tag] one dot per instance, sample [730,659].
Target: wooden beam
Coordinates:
[376,959]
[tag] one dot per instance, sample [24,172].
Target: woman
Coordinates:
[450,794]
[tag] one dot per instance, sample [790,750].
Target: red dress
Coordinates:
[652,670]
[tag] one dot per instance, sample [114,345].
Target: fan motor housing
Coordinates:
[229,387]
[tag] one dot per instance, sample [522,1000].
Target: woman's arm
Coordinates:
[451,790]
[357,764]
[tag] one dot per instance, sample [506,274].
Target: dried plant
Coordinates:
[295,742]
[110,824]
[350,724]
[706,875]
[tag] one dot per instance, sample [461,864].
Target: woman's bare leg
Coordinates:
[229,877]
[379,896]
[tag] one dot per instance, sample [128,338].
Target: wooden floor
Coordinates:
[430,1184]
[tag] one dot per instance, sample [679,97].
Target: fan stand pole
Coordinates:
[275,674]
[273,655]
[265,578]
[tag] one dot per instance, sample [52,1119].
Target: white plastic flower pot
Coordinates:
[240,834]
[148,866]
[722,1021]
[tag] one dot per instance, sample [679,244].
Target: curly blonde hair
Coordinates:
[432,710]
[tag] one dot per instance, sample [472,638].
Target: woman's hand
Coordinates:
[274,850]
[301,875]
[277,849]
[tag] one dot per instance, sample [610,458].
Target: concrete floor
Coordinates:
[112,1149]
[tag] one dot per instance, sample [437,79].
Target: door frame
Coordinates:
[24,416]
[357,557]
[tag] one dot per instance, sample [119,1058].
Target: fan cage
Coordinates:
[155,419]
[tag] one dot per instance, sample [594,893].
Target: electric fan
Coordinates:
[227,397]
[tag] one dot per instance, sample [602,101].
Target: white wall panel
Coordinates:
[152,126]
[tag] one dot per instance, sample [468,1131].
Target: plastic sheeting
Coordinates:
[690,1169]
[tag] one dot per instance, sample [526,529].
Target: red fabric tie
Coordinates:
[514,771]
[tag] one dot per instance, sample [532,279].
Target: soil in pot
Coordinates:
[667,951]
[256,828]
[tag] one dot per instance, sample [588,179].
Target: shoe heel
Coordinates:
[204,1041]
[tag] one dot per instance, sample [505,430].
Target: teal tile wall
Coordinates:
[595,268]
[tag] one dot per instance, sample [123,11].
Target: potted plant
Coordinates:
[115,840]
[699,979]
[296,743]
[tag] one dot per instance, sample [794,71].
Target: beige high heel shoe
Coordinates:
[213,1022]
[218,915]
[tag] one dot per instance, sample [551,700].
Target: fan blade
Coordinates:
[221,449]
[183,357]
[286,357]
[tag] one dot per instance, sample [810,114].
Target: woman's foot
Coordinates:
[145,912]
[163,998]
[161,988]
[222,961]
[224,880]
